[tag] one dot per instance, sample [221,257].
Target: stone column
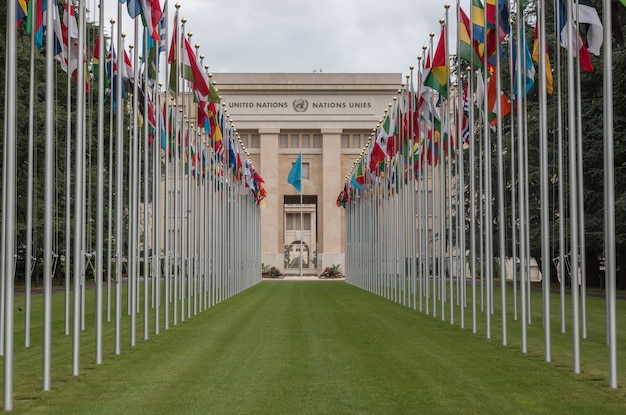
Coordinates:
[331,238]
[271,217]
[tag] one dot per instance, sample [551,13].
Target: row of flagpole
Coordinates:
[426,202]
[196,217]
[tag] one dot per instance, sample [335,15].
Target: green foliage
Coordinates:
[332,272]
[318,348]
[591,121]
[268,271]
[64,108]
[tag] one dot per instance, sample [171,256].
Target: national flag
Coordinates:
[355,183]
[384,145]
[163,29]
[35,21]
[504,18]
[134,7]
[151,10]
[360,172]
[470,50]
[437,77]
[191,66]
[295,174]
[522,61]
[535,56]
[478,23]
[112,74]
[22,10]
[579,49]
[587,14]
[71,55]
[164,130]
[492,102]
[491,12]
[465,127]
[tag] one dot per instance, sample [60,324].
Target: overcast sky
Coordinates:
[309,35]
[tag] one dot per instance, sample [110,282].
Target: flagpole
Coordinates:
[9,216]
[521,191]
[111,177]
[573,202]
[609,198]
[48,208]
[119,185]
[79,195]
[545,225]
[29,191]
[146,188]
[100,185]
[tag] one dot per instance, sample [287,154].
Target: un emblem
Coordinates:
[300,105]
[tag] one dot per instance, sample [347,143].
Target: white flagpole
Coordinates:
[100,191]
[8,226]
[110,235]
[545,225]
[79,195]
[146,189]
[29,208]
[119,188]
[573,189]
[609,194]
[48,208]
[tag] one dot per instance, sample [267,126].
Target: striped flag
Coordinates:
[437,77]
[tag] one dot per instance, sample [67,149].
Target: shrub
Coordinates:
[268,271]
[332,272]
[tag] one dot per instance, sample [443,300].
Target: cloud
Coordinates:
[307,35]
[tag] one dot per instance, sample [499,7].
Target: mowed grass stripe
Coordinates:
[286,347]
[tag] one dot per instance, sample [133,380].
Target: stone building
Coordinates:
[327,117]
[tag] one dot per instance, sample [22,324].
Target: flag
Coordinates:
[580,49]
[492,102]
[133,7]
[465,127]
[191,66]
[470,50]
[163,29]
[535,56]
[478,23]
[151,10]
[360,172]
[35,22]
[22,10]
[588,14]
[112,73]
[504,19]
[522,61]
[491,12]
[295,174]
[384,145]
[437,77]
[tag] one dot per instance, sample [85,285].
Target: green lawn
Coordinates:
[292,347]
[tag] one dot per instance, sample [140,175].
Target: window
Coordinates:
[255,141]
[356,141]
[305,170]
[295,141]
[317,141]
[306,141]
[293,222]
[345,141]
[284,141]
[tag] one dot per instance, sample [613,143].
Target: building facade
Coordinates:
[327,117]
